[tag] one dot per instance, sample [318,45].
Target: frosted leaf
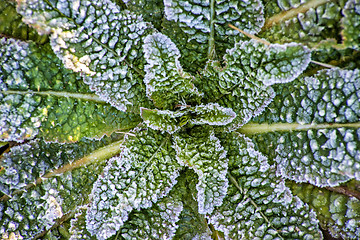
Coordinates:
[212,114]
[98,40]
[243,84]
[157,222]
[330,96]
[26,163]
[351,24]
[30,213]
[41,207]
[259,205]
[326,152]
[163,120]
[191,223]
[166,82]
[325,157]
[199,18]
[24,120]
[145,172]
[269,64]
[338,213]
[202,152]
[13,26]
[320,22]
[78,224]
[40,97]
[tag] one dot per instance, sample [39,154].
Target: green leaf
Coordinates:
[351,24]
[337,213]
[44,183]
[307,22]
[202,152]
[169,121]
[107,49]
[152,11]
[211,114]
[163,120]
[40,97]
[192,224]
[203,20]
[145,172]
[12,26]
[166,82]
[250,68]
[258,205]
[319,139]
[201,27]
[157,222]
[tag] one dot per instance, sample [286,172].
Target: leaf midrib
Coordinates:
[79,96]
[256,128]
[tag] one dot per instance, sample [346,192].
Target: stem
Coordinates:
[212,30]
[82,96]
[255,128]
[293,12]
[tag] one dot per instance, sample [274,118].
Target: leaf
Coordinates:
[12,26]
[152,11]
[163,120]
[202,152]
[28,163]
[157,222]
[258,205]
[78,225]
[351,24]
[192,224]
[203,19]
[41,186]
[307,22]
[172,121]
[40,97]
[322,112]
[338,213]
[250,68]
[145,172]
[212,114]
[166,82]
[200,27]
[98,40]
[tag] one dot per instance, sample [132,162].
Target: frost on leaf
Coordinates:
[201,28]
[243,84]
[30,212]
[166,82]
[157,222]
[327,108]
[12,24]
[202,152]
[38,96]
[351,24]
[27,163]
[191,224]
[98,40]
[145,172]
[258,205]
[198,18]
[318,23]
[163,120]
[339,214]
[78,225]
[212,114]
[36,196]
